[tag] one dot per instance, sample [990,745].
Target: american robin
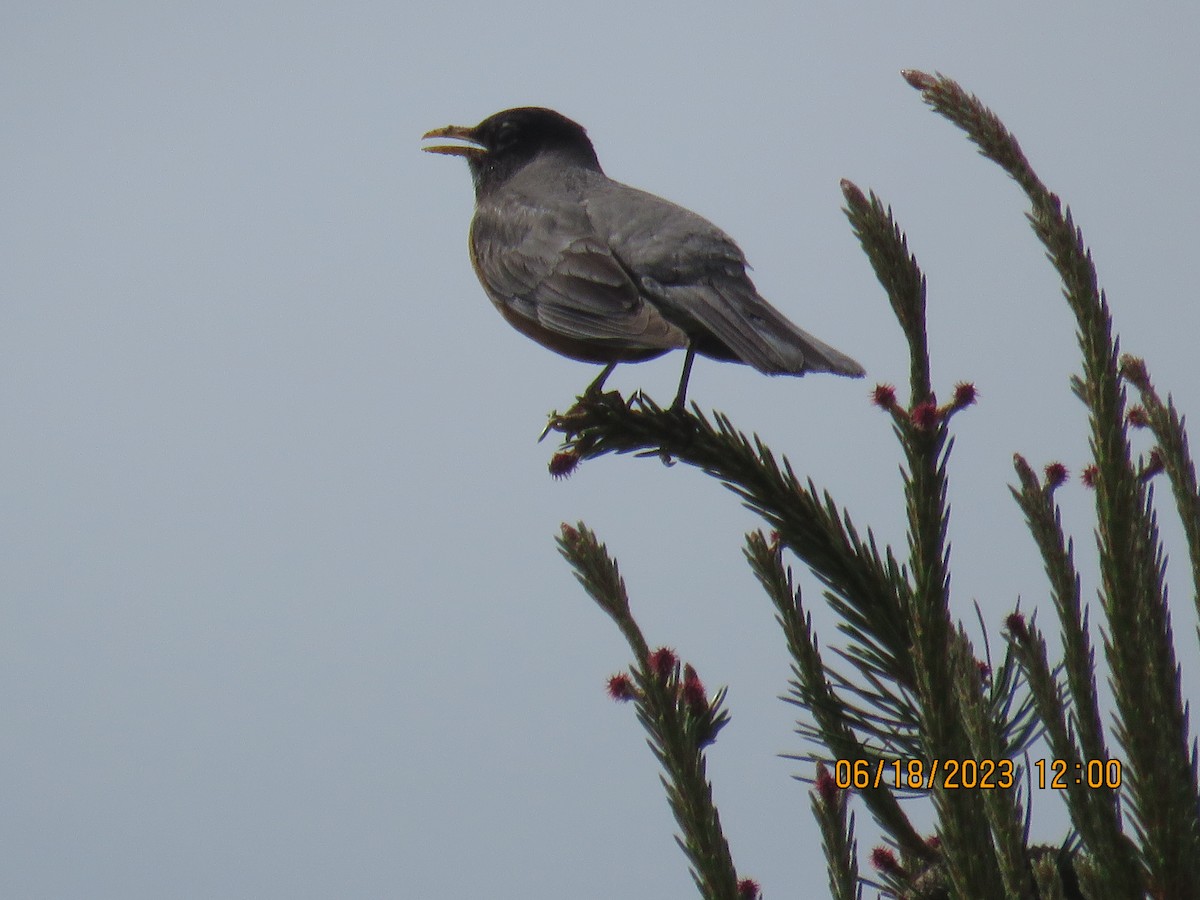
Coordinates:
[604,273]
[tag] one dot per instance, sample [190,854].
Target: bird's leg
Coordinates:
[681,394]
[594,388]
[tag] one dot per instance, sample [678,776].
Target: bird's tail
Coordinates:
[745,327]
[815,355]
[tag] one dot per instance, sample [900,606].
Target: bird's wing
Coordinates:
[547,266]
[696,275]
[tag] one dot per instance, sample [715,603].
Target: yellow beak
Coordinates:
[458,132]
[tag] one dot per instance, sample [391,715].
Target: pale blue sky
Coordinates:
[281,610]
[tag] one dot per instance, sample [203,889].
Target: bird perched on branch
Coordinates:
[605,273]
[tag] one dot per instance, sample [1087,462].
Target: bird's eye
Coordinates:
[508,133]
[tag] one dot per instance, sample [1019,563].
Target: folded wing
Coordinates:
[695,275]
[546,266]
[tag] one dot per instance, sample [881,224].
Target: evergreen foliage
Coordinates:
[906,684]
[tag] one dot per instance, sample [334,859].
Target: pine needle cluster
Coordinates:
[905,684]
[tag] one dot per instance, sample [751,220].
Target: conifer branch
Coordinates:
[897,270]
[972,864]
[917,691]
[673,709]
[1045,524]
[837,721]
[1172,454]
[1160,772]
[1001,803]
[830,808]
[863,583]
[1095,810]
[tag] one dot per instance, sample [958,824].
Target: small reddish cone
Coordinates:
[662,662]
[694,694]
[884,860]
[1090,473]
[563,464]
[925,415]
[826,786]
[884,396]
[1138,417]
[748,889]
[1154,464]
[1056,474]
[1017,627]
[964,394]
[621,689]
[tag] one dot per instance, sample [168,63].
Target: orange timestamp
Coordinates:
[922,775]
[971,774]
[1093,773]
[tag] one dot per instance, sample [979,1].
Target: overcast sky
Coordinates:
[282,614]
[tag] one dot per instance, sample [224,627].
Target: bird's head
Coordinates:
[503,144]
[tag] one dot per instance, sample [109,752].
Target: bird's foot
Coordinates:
[679,407]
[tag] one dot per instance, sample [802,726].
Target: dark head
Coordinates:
[503,144]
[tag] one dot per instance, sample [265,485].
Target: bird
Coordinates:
[605,273]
